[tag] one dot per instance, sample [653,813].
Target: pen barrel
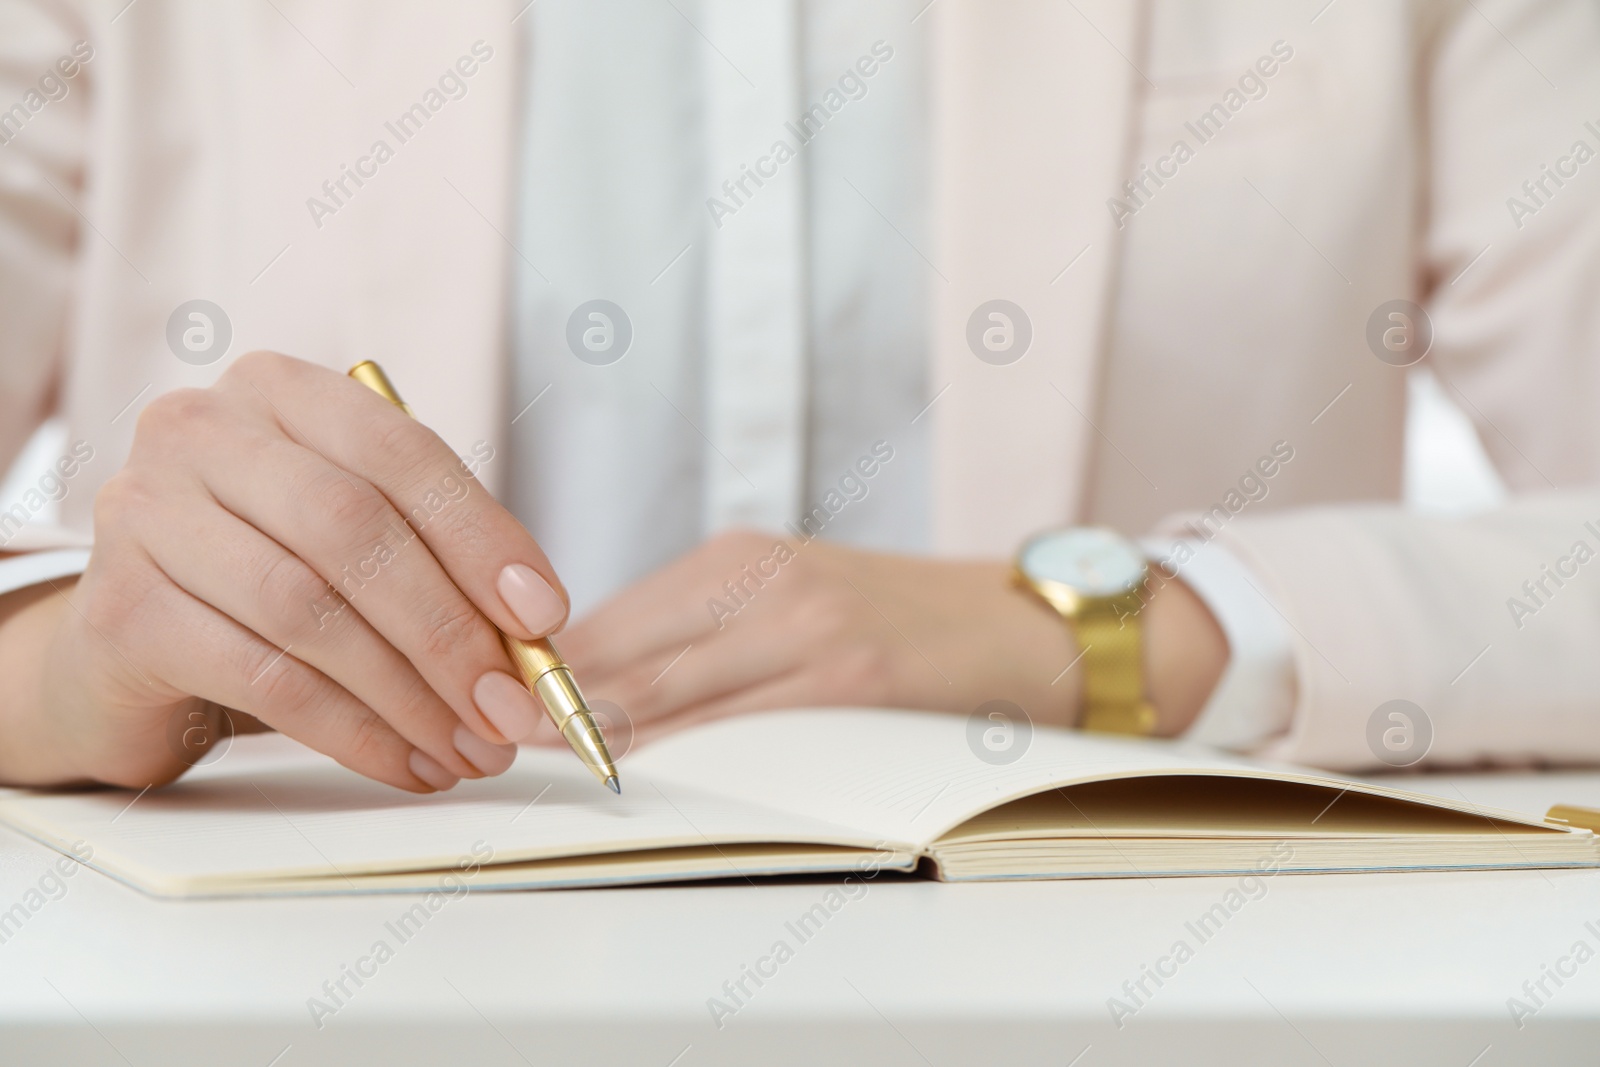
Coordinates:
[371,375]
[559,691]
[544,672]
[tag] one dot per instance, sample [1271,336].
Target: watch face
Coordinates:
[1090,561]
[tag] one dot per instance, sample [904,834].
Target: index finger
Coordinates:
[486,552]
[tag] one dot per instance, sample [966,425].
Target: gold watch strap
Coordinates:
[1111,637]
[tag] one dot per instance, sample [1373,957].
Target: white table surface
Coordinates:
[1322,969]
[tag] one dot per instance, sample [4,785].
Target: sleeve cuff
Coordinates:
[1253,702]
[19,572]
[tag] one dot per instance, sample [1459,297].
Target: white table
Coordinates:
[1341,969]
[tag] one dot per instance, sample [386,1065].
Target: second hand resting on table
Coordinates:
[837,625]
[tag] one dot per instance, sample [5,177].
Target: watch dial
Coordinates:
[1091,561]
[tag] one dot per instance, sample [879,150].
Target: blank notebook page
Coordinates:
[269,805]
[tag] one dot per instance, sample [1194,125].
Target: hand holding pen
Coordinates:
[289,545]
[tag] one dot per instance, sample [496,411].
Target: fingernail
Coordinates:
[487,756]
[427,768]
[506,704]
[531,599]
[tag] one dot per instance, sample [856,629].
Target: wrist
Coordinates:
[1186,652]
[1151,652]
[33,752]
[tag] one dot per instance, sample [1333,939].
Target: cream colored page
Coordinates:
[898,776]
[269,806]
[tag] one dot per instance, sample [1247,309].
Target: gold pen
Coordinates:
[537,661]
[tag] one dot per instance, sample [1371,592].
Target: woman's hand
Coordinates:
[288,544]
[751,621]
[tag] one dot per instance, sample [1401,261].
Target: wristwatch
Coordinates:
[1093,577]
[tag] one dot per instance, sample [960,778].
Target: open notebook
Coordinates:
[829,790]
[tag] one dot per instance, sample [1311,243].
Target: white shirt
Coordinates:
[768,352]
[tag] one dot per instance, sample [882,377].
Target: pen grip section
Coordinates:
[544,672]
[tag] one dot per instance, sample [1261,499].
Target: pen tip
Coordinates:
[614,785]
